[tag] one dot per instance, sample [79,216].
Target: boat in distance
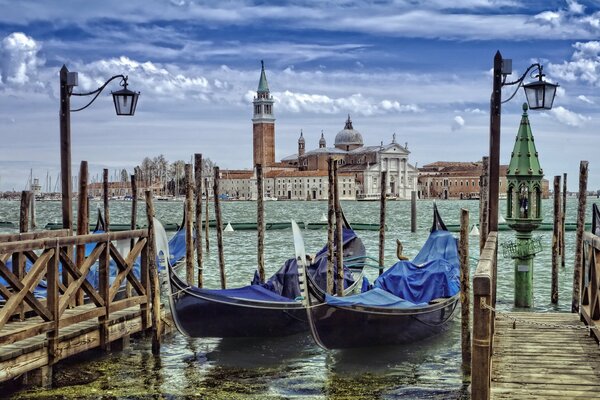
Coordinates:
[410,301]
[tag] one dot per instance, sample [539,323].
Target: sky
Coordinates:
[421,70]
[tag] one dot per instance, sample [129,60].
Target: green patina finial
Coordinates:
[525,107]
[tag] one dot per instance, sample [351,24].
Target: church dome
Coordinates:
[348,138]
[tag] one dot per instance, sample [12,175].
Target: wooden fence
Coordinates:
[589,308]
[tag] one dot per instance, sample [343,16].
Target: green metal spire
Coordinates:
[263,86]
[524,160]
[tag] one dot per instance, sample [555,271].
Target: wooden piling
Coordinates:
[83,219]
[33,223]
[413,211]
[189,227]
[198,219]
[339,251]
[465,293]
[563,221]
[555,241]
[206,236]
[260,223]
[153,272]
[483,202]
[105,198]
[134,203]
[382,200]
[577,274]
[330,226]
[18,259]
[219,228]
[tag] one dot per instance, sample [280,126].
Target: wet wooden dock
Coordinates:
[534,361]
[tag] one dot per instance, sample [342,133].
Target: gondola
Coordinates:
[410,301]
[256,310]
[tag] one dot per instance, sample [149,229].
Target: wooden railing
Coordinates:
[484,300]
[589,308]
[50,251]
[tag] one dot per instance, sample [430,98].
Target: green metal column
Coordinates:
[524,272]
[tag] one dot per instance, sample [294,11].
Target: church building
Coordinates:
[303,176]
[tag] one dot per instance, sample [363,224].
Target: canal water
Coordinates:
[294,367]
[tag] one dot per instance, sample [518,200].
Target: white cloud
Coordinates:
[574,7]
[584,64]
[568,117]
[585,99]
[457,123]
[18,59]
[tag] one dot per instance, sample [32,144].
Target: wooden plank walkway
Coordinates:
[539,362]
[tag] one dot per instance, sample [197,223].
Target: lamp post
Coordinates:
[540,95]
[125,102]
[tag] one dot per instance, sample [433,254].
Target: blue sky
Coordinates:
[421,70]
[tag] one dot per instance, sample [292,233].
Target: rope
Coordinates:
[514,319]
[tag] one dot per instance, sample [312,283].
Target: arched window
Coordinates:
[509,205]
[538,202]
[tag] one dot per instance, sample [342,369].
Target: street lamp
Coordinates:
[540,95]
[125,102]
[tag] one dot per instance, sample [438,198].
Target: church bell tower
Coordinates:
[263,122]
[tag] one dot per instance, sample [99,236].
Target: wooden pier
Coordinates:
[529,355]
[36,333]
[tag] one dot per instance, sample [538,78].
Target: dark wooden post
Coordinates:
[105,198]
[339,256]
[382,222]
[83,219]
[65,151]
[483,202]
[494,174]
[577,275]
[189,227]
[134,203]
[52,302]
[556,241]
[104,290]
[563,221]
[153,272]
[18,259]
[198,219]
[413,211]
[465,292]
[219,229]
[206,235]
[330,227]
[260,222]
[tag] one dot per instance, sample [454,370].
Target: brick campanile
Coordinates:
[263,124]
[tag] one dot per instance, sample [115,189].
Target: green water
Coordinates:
[293,367]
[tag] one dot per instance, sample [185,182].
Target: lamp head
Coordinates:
[540,94]
[125,100]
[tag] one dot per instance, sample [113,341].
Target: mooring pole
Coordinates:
[339,251]
[483,202]
[189,227]
[330,226]
[413,211]
[18,259]
[577,274]
[198,219]
[65,151]
[206,236]
[555,241]
[563,221]
[382,223]
[83,219]
[153,271]
[260,223]
[219,229]
[105,199]
[465,293]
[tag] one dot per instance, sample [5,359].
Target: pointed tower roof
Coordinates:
[322,142]
[524,160]
[348,123]
[301,138]
[263,86]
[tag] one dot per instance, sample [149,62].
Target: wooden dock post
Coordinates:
[382,223]
[18,259]
[52,302]
[577,273]
[260,223]
[83,219]
[330,226]
[206,236]
[219,229]
[339,251]
[105,198]
[465,293]
[198,219]
[153,272]
[413,211]
[555,241]
[483,202]
[104,291]
[189,227]
[563,221]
